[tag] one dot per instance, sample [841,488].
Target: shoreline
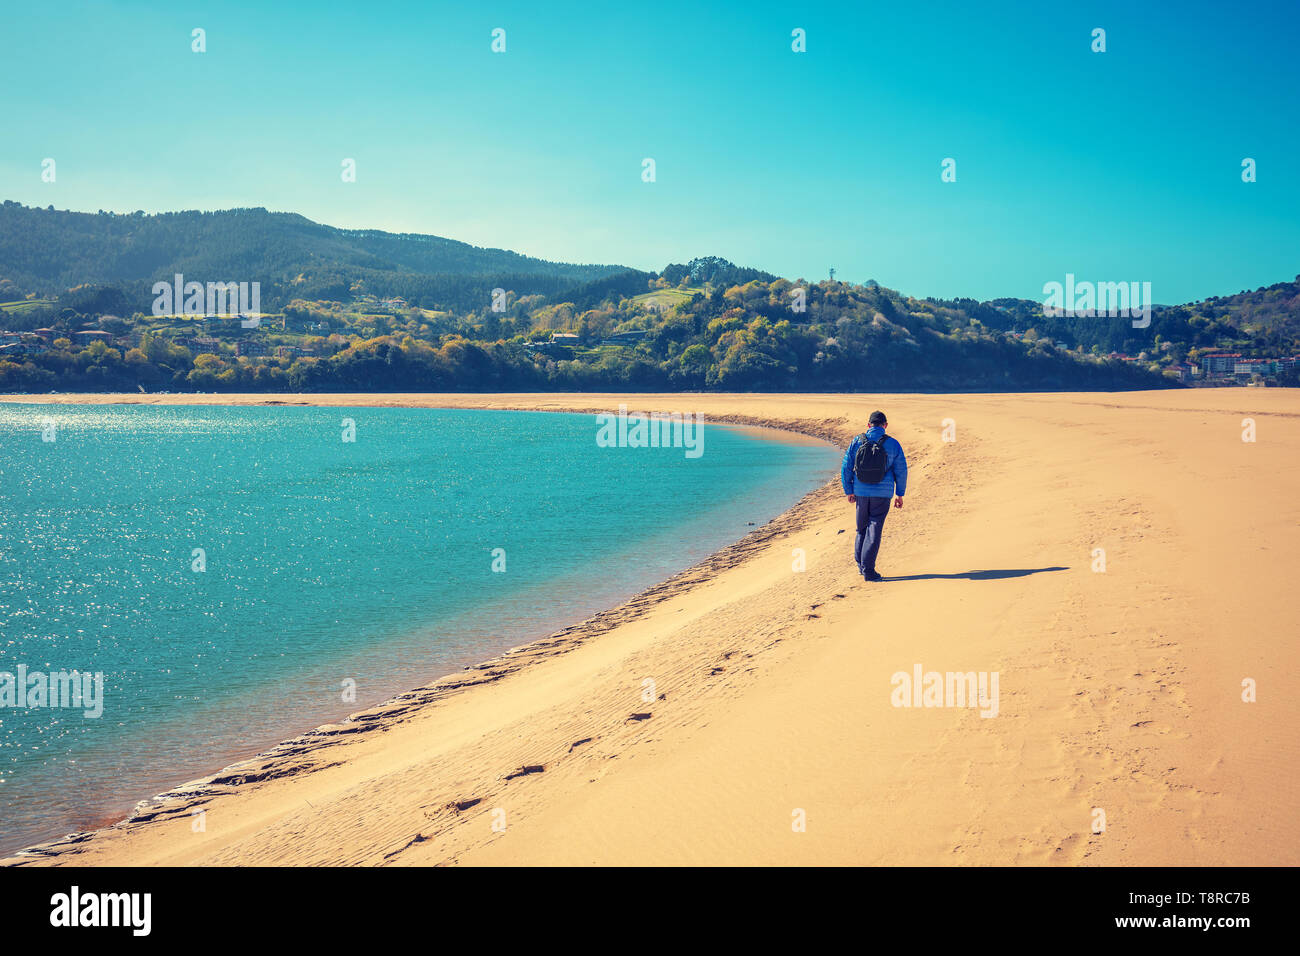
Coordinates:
[275,760]
[770,691]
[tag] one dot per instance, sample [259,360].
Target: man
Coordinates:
[873,469]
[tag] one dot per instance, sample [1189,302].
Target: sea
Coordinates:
[193,584]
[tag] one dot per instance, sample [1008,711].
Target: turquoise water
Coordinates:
[325,561]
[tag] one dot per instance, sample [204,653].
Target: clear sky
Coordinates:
[1115,166]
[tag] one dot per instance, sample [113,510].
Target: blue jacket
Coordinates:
[895,482]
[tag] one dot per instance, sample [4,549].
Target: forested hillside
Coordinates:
[373,311]
[47,251]
[1258,323]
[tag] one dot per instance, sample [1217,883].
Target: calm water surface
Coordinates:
[324,561]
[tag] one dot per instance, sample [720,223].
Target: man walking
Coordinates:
[873,469]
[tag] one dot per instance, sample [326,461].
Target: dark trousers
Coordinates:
[871,521]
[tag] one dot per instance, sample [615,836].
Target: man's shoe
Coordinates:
[872,576]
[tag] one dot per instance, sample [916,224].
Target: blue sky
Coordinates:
[1115,166]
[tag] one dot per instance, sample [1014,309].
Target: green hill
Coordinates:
[47,251]
[362,310]
[1263,323]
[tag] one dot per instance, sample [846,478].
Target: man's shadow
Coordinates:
[977,575]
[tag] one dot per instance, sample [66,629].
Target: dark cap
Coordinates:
[877,418]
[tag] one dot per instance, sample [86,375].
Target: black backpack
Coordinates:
[870,465]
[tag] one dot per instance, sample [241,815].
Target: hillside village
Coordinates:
[373,311]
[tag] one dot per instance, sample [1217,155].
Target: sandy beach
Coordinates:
[1122,561]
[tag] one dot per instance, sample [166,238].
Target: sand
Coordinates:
[769,732]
